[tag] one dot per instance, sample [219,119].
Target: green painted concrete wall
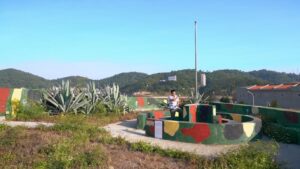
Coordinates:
[280,124]
[206,133]
[159,125]
[144,103]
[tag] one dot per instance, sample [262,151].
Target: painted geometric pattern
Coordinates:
[283,120]
[221,132]
[4,97]
[9,100]
[144,103]
[290,118]
[240,131]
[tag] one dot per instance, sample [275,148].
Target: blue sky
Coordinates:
[95,38]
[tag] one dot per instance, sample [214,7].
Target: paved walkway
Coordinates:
[25,124]
[127,130]
[290,154]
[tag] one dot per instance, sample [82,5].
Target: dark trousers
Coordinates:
[173,112]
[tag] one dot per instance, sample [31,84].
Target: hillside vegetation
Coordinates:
[218,82]
[14,78]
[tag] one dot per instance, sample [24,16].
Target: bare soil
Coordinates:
[122,158]
[26,146]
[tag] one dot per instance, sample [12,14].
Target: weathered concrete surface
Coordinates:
[2,118]
[290,155]
[127,130]
[25,124]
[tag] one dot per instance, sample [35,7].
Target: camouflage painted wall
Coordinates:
[144,103]
[280,124]
[9,100]
[244,129]
[142,117]
[198,113]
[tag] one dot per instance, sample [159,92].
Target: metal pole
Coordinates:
[196,72]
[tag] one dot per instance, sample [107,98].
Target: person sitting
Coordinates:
[173,104]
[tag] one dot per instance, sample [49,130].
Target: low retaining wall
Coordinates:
[280,124]
[9,99]
[145,103]
[238,129]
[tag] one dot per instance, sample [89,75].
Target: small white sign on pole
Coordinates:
[158,125]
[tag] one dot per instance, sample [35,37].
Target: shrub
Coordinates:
[9,135]
[280,133]
[274,103]
[100,109]
[68,155]
[258,155]
[241,102]
[30,111]
[225,100]
[75,151]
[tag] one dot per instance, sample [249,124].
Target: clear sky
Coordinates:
[95,38]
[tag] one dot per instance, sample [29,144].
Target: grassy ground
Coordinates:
[77,141]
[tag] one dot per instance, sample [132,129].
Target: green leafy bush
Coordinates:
[30,111]
[69,154]
[280,133]
[225,100]
[100,109]
[258,155]
[274,103]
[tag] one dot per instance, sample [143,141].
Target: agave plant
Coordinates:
[198,99]
[92,98]
[63,99]
[113,99]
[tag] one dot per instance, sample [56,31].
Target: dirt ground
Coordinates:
[120,158]
[27,146]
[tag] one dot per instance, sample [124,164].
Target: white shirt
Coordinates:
[173,102]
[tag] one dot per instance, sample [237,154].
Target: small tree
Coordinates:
[241,102]
[274,103]
[225,100]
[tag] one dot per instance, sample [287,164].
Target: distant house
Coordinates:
[283,95]
[142,93]
[172,78]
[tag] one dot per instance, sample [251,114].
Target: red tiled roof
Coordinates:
[274,87]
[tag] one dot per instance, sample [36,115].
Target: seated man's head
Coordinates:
[173,92]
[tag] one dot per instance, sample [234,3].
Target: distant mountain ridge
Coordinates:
[220,81]
[15,78]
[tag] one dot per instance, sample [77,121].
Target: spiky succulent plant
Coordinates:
[63,99]
[113,99]
[92,97]
[198,99]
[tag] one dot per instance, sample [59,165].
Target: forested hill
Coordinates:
[220,81]
[16,78]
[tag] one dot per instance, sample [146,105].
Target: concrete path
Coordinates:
[127,130]
[290,155]
[25,124]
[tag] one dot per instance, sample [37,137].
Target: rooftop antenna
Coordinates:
[196,72]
